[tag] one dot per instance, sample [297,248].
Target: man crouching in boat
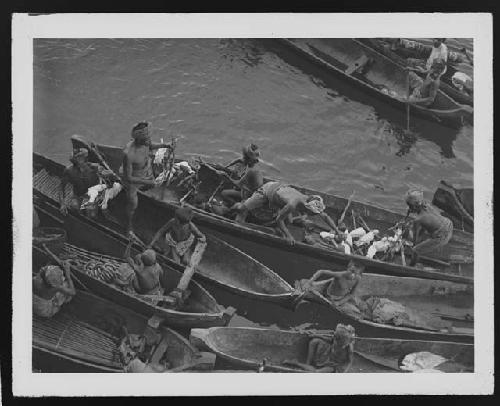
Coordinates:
[52,287]
[179,235]
[424,92]
[287,200]
[340,287]
[137,167]
[325,354]
[428,219]
[148,273]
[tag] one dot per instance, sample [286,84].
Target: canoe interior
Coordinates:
[380,72]
[89,329]
[458,204]
[241,346]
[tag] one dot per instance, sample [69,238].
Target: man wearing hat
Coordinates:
[81,175]
[287,200]
[137,167]
[439,229]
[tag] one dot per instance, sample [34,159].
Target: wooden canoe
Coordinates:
[85,334]
[200,309]
[222,264]
[378,75]
[246,348]
[457,204]
[451,306]
[446,86]
[264,244]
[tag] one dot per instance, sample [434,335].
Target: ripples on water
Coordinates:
[219,95]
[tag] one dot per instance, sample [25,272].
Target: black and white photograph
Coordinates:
[235,202]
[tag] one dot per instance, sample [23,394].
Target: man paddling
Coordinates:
[137,167]
[287,200]
[428,219]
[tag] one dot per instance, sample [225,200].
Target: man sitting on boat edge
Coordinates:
[287,200]
[425,91]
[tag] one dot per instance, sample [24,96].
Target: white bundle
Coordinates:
[367,238]
[423,360]
[328,237]
[159,156]
[378,246]
[94,191]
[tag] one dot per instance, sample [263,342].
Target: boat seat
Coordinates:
[358,65]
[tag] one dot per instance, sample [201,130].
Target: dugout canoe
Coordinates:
[377,75]
[222,264]
[457,204]
[265,244]
[246,348]
[84,336]
[199,310]
[450,304]
[445,85]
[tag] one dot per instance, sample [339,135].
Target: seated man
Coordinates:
[287,200]
[340,287]
[428,218]
[425,92]
[249,158]
[326,355]
[148,273]
[179,234]
[88,180]
[51,289]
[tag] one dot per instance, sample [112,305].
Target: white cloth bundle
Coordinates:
[422,361]
[367,238]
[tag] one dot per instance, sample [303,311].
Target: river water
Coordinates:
[218,95]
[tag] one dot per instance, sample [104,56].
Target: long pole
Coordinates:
[408,104]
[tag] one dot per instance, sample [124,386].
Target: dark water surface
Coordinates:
[218,95]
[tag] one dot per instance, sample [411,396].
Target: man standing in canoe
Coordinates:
[287,200]
[137,167]
[428,219]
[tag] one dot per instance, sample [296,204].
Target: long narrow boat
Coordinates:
[446,86]
[222,264]
[263,243]
[445,310]
[378,75]
[199,310]
[246,348]
[85,335]
[458,204]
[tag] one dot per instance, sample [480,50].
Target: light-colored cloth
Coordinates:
[315,204]
[181,247]
[423,361]
[438,54]
[367,238]
[461,80]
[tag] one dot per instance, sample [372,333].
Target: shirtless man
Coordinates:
[137,167]
[428,219]
[288,200]
[148,273]
[327,354]
[425,92]
[179,234]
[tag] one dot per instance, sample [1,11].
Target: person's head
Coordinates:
[140,133]
[148,257]
[251,154]
[52,276]
[438,41]
[80,156]
[415,199]
[314,204]
[184,215]
[343,336]
[355,267]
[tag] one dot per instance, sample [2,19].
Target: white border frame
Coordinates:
[467,25]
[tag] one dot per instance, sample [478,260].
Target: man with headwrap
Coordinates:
[327,354]
[287,200]
[439,229]
[148,273]
[137,167]
[52,287]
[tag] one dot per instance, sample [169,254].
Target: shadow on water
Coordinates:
[442,136]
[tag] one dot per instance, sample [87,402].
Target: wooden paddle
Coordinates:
[408,104]
[341,219]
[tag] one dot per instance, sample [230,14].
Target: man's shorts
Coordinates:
[438,240]
[256,201]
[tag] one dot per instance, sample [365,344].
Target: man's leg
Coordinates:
[312,350]
[132,202]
